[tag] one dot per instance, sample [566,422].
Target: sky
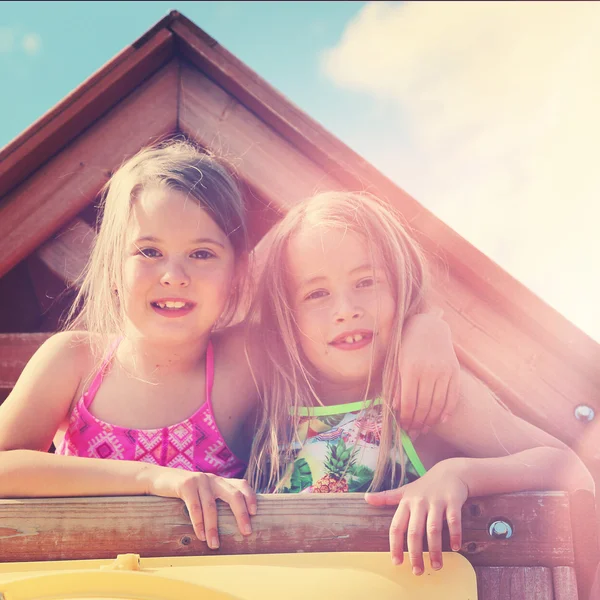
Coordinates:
[485,112]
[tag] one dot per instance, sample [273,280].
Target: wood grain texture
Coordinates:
[15,351]
[564,580]
[54,195]
[78,110]
[67,253]
[514,583]
[79,528]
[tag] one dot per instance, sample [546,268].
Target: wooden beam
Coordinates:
[67,253]
[15,351]
[264,159]
[77,111]
[54,195]
[519,366]
[83,528]
[520,306]
[515,583]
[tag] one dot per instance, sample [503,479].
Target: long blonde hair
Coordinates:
[275,354]
[175,163]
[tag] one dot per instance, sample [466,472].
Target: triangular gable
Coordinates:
[177,78]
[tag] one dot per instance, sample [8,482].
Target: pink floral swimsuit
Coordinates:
[195,444]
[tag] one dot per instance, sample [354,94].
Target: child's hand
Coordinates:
[422,506]
[429,372]
[199,492]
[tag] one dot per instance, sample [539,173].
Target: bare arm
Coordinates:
[517,455]
[505,454]
[39,404]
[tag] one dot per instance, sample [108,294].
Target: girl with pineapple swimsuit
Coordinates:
[143,377]
[342,276]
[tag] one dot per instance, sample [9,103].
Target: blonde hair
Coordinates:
[177,164]
[275,354]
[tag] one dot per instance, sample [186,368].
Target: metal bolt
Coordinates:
[584,413]
[500,530]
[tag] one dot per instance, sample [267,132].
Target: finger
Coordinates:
[452,397]
[434,536]
[387,498]
[438,402]
[250,495]
[454,520]
[424,401]
[209,510]
[237,502]
[194,508]
[408,401]
[416,533]
[398,532]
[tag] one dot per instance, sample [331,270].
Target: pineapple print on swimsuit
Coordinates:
[338,450]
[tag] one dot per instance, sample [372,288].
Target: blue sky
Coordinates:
[485,112]
[279,40]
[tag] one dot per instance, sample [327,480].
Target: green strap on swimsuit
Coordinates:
[338,409]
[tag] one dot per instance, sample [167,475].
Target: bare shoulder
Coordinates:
[41,399]
[72,349]
[232,342]
[231,360]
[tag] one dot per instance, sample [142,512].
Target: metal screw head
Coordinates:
[500,530]
[584,413]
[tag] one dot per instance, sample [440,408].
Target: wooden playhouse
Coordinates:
[175,78]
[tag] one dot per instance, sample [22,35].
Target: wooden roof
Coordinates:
[177,78]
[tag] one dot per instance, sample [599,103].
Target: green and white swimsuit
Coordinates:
[338,450]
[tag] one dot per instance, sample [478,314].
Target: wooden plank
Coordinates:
[77,111]
[584,529]
[15,351]
[53,295]
[265,160]
[514,583]
[19,308]
[533,380]
[79,528]
[67,253]
[564,582]
[541,530]
[66,184]
[521,306]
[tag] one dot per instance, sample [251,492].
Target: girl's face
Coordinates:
[178,269]
[343,305]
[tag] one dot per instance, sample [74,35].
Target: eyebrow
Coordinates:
[198,241]
[317,278]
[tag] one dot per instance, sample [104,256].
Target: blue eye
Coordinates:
[150,252]
[316,295]
[202,254]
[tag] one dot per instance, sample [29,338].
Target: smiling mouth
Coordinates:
[172,305]
[355,339]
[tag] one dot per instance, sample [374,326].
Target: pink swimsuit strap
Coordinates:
[195,444]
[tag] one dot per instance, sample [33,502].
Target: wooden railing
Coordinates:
[552,553]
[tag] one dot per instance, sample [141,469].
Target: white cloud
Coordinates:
[32,43]
[496,109]
[7,40]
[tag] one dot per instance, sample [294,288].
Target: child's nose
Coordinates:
[175,276]
[347,311]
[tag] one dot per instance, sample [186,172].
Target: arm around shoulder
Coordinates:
[515,454]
